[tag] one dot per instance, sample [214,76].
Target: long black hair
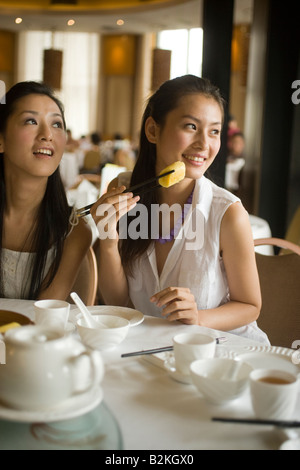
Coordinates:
[52,223]
[161,103]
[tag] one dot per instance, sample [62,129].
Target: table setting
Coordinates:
[163,386]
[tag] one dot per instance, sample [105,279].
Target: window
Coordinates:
[79,73]
[187,50]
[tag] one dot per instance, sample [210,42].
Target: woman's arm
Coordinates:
[107,212]
[237,250]
[75,248]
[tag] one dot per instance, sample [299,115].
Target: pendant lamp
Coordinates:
[53,68]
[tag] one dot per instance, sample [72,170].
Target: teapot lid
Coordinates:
[35,335]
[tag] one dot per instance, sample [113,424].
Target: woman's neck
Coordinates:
[24,195]
[178,193]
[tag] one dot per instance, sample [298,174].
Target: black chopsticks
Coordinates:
[150,180]
[148,351]
[86,209]
[219,340]
[266,422]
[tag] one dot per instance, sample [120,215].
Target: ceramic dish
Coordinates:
[71,408]
[108,336]
[6,316]
[220,380]
[268,357]
[133,316]
[291,444]
[170,367]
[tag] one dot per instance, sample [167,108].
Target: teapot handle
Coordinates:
[87,370]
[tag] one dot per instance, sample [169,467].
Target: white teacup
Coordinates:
[52,313]
[273,393]
[44,368]
[189,347]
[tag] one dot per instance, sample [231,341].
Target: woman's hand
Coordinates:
[108,210]
[178,304]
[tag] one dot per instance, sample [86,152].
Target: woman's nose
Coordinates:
[45,132]
[201,141]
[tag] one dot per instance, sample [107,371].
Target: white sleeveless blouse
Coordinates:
[17,272]
[193,263]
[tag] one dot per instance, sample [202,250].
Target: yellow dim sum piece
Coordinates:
[175,177]
[9,326]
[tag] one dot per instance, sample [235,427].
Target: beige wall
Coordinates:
[123,91]
[7,57]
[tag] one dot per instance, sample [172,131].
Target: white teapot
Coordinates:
[44,368]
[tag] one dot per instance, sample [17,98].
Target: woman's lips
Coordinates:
[43,152]
[195,159]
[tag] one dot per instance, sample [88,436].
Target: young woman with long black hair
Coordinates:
[41,248]
[213,282]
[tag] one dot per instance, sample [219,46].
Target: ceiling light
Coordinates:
[63,2]
[71,22]
[120,22]
[18,20]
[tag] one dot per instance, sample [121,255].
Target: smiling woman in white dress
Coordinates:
[41,249]
[213,284]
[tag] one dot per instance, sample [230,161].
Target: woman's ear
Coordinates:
[1,144]
[151,130]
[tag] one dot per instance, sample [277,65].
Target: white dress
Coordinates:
[17,268]
[16,272]
[192,262]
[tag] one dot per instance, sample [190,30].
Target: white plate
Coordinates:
[72,408]
[170,366]
[166,361]
[133,316]
[268,357]
[291,444]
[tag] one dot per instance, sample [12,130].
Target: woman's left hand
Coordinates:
[178,304]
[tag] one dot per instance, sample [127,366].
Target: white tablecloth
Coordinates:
[261,229]
[155,412]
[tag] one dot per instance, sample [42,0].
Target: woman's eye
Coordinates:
[190,125]
[216,131]
[30,121]
[58,125]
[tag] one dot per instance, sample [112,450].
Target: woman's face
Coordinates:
[34,138]
[191,133]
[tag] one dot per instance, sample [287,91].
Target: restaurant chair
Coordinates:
[92,162]
[86,283]
[293,231]
[279,277]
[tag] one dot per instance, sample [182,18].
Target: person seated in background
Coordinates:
[232,126]
[235,161]
[72,144]
[95,141]
[42,242]
[84,143]
[92,157]
[236,146]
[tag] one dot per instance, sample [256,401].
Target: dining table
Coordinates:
[145,407]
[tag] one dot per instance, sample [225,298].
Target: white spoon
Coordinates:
[88,318]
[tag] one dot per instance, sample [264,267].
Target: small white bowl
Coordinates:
[103,338]
[220,380]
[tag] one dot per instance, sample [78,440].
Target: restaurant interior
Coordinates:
[108,55]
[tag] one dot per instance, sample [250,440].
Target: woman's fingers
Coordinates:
[108,210]
[178,304]
[170,294]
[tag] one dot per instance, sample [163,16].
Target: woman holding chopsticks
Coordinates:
[41,247]
[213,282]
